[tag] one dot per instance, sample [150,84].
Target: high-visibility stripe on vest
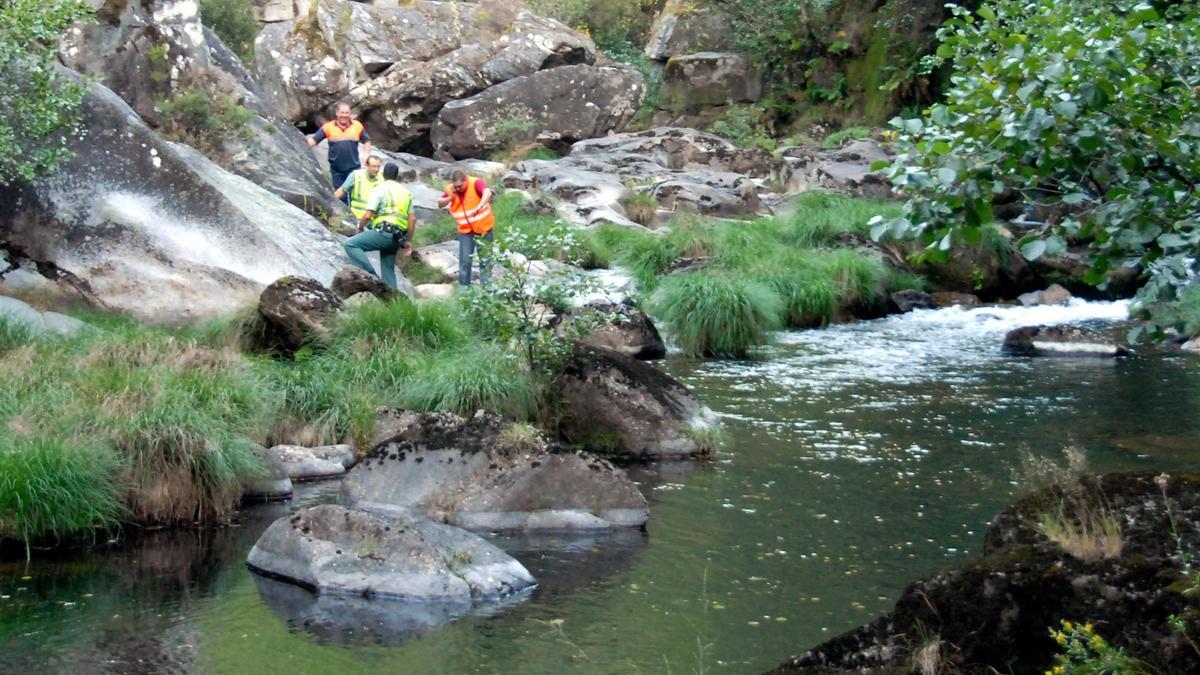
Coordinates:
[334,133]
[360,191]
[480,223]
[394,203]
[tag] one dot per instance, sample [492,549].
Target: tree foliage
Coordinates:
[37,100]
[233,21]
[1086,110]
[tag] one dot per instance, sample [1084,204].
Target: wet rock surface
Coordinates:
[1054,295]
[995,614]
[156,229]
[615,404]
[150,51]
[350,281]
[1058,341]
[335,550]
[482,473]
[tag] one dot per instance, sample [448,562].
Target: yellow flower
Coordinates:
[1087,628]
[1067,624]
[1060,638]
[1097,643]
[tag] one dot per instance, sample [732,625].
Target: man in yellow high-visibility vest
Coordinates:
[386,226]
[359,185]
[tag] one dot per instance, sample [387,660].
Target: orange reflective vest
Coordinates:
[479,223]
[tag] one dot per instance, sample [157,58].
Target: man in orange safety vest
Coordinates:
[469,200]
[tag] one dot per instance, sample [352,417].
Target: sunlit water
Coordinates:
[858,459]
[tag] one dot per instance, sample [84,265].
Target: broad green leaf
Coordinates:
[1033,249]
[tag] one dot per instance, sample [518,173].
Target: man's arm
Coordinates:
[444,199]
[366,218]
[317,137]
[412,233]
[347,185]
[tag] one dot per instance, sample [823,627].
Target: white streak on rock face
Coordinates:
[182,10]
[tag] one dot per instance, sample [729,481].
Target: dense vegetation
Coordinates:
[1089,113]
[39,103]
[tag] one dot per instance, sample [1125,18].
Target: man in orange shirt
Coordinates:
[344,135]
[470,203]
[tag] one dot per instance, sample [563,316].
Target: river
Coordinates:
[858,459]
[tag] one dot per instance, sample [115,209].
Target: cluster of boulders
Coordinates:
[285,464]
[463,79]
[996,614]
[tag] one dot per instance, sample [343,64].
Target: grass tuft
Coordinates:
[467,380]
[718,315]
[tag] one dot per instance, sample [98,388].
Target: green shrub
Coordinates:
[721,315]
[204,119]
[233,21]
[746,126]
[475,378]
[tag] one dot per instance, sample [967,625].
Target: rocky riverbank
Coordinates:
[1137,590]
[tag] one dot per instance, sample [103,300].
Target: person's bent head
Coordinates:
[459,180]
[391,171]
[373,164]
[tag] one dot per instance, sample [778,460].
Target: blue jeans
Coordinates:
[374,240]
[466,246]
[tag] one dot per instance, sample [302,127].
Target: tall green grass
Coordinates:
[720,315]
[465,380]
[52,487]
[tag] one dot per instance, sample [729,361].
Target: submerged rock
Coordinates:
[332,549]
[272,484]
[995,614]
[485,473]
[1057,341]
[617,405]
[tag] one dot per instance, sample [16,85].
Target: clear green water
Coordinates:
[858,459]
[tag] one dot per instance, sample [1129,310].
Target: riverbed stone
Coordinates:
[620,328]
[435,291]
[909,299]
[486,473]
[615,404]
[332,549]
[1053,295]
[1058,341]
[942,299]
[341,454]
[272,484]
[304,464]
[352,280]
[995,613]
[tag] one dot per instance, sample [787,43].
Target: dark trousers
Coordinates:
[339,177]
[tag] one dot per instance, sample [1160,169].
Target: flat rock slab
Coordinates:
[483,473]
[303,464]
[335,550]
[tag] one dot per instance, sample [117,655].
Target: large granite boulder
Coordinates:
[1058,341]
[686,28]
[350,281]
[847,169]
[615,404]
[995,613]
[485,473]
[554,107]
[155,228]
[297,312]
[309,464]
[708,79]
[151,51]
[398,64]
[335,550]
